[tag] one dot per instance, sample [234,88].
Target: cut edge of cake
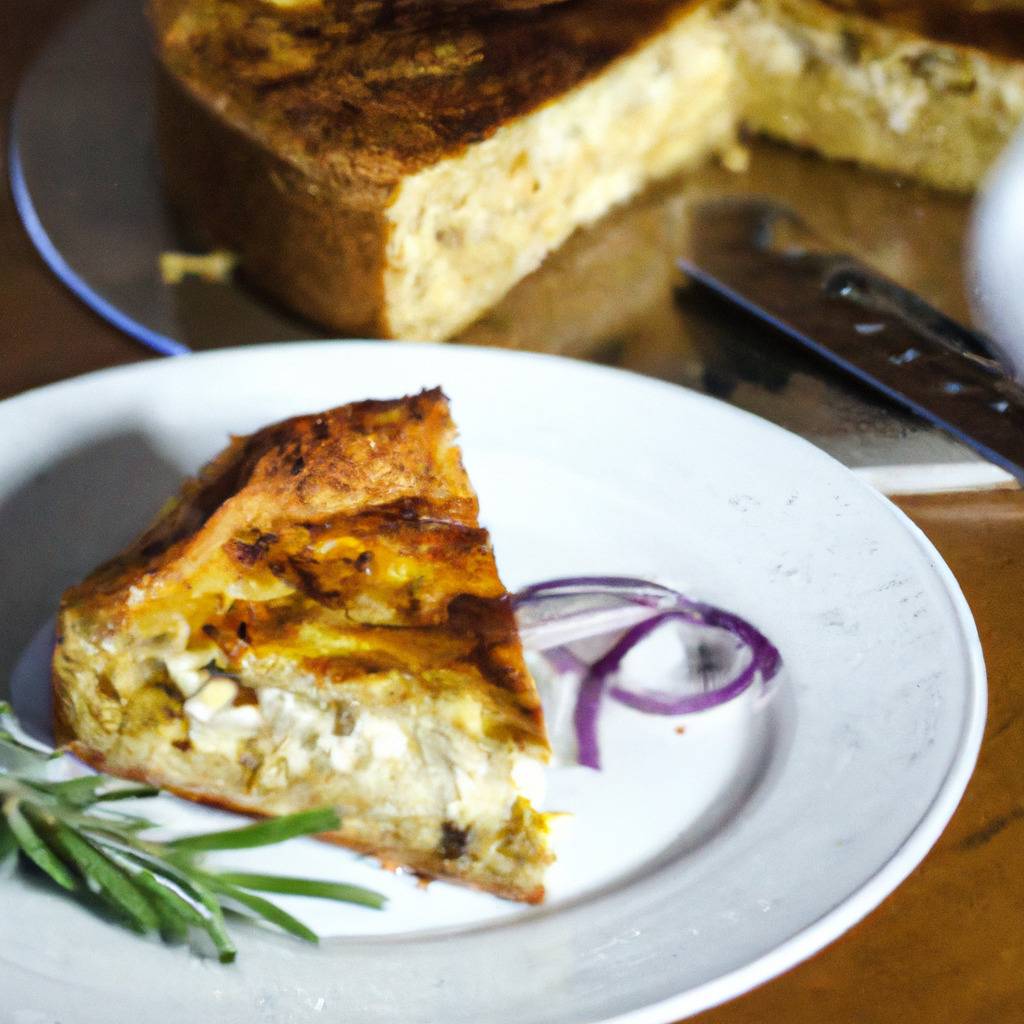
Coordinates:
[463,231]
[853,88]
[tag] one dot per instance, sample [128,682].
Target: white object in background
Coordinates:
[996,257]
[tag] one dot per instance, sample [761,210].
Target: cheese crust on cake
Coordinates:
[392,170]
[317,620]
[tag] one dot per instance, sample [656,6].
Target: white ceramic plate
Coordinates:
[701,861]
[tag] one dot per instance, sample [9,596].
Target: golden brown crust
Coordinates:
[329,465]
[365,94]
[265,506]
[311,467]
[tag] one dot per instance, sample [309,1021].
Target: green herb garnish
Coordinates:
[68,832]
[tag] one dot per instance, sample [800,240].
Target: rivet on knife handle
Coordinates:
[760,257]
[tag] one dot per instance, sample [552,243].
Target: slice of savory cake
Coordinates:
[315,620]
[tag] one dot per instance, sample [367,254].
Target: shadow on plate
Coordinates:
[66,519]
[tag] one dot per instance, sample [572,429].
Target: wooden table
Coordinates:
[948,946]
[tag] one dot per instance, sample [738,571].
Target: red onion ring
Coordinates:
[666,606]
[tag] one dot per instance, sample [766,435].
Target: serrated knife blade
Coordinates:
[762,258]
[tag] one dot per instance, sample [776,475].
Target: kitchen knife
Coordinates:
[762,258]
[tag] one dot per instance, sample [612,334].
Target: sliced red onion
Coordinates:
[588,709]
[665,606]
[564,662]
[663,704]
[544,624]
[628,587]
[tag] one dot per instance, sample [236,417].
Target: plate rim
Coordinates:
[835,922]
[923,835]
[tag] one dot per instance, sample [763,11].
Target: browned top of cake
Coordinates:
[374,90]
[996,26]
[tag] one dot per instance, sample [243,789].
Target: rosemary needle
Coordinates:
[98,854]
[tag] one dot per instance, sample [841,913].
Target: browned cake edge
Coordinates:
[429,866]
[300,241]
[370,93]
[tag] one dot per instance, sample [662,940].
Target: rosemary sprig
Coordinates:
[67,831]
